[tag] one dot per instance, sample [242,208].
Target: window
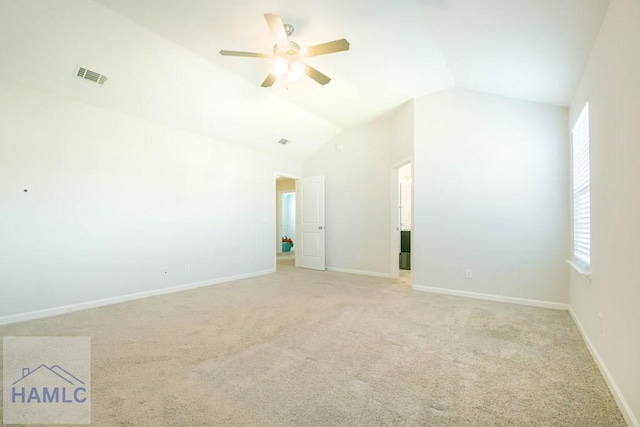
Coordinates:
[581,192]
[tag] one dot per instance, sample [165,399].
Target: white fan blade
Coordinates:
[277,29]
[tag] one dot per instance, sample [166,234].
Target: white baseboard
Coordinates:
[361,272]
[627,413]
[498,298]
[54,311]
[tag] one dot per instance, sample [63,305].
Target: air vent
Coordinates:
[283,141]
[91,76]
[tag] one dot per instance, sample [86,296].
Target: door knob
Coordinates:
[320,228]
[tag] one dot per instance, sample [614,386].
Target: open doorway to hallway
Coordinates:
[405,208]
[401,221]
[285,238]
[288,221]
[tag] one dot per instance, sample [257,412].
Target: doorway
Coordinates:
[288,221]
[401,221]
[300,226]
[285,235]
[405,212]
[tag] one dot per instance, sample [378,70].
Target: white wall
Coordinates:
[113,200]
[402,134]
[491,195]
[356,169]
[611,85]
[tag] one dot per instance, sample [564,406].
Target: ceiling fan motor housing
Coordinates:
[291,51]
[288,28]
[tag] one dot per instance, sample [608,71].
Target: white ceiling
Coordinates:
[392,57]
[526,49]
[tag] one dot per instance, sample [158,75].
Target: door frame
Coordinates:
[394,227]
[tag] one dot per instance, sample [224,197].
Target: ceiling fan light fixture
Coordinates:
[287,69]
[286,54]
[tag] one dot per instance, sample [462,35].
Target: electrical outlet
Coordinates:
[187,268]
[468,274]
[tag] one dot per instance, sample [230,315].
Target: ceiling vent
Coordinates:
[91,76]
[283,141]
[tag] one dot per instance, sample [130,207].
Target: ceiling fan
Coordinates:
[287,54]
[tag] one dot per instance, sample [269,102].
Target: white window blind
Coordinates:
[581,192]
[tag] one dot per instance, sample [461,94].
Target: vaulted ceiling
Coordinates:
[167,51]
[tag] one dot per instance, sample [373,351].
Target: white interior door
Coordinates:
[311,227]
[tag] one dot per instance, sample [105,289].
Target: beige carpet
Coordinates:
[319,348]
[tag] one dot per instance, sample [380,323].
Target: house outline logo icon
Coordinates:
[61,386]
[56,370]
